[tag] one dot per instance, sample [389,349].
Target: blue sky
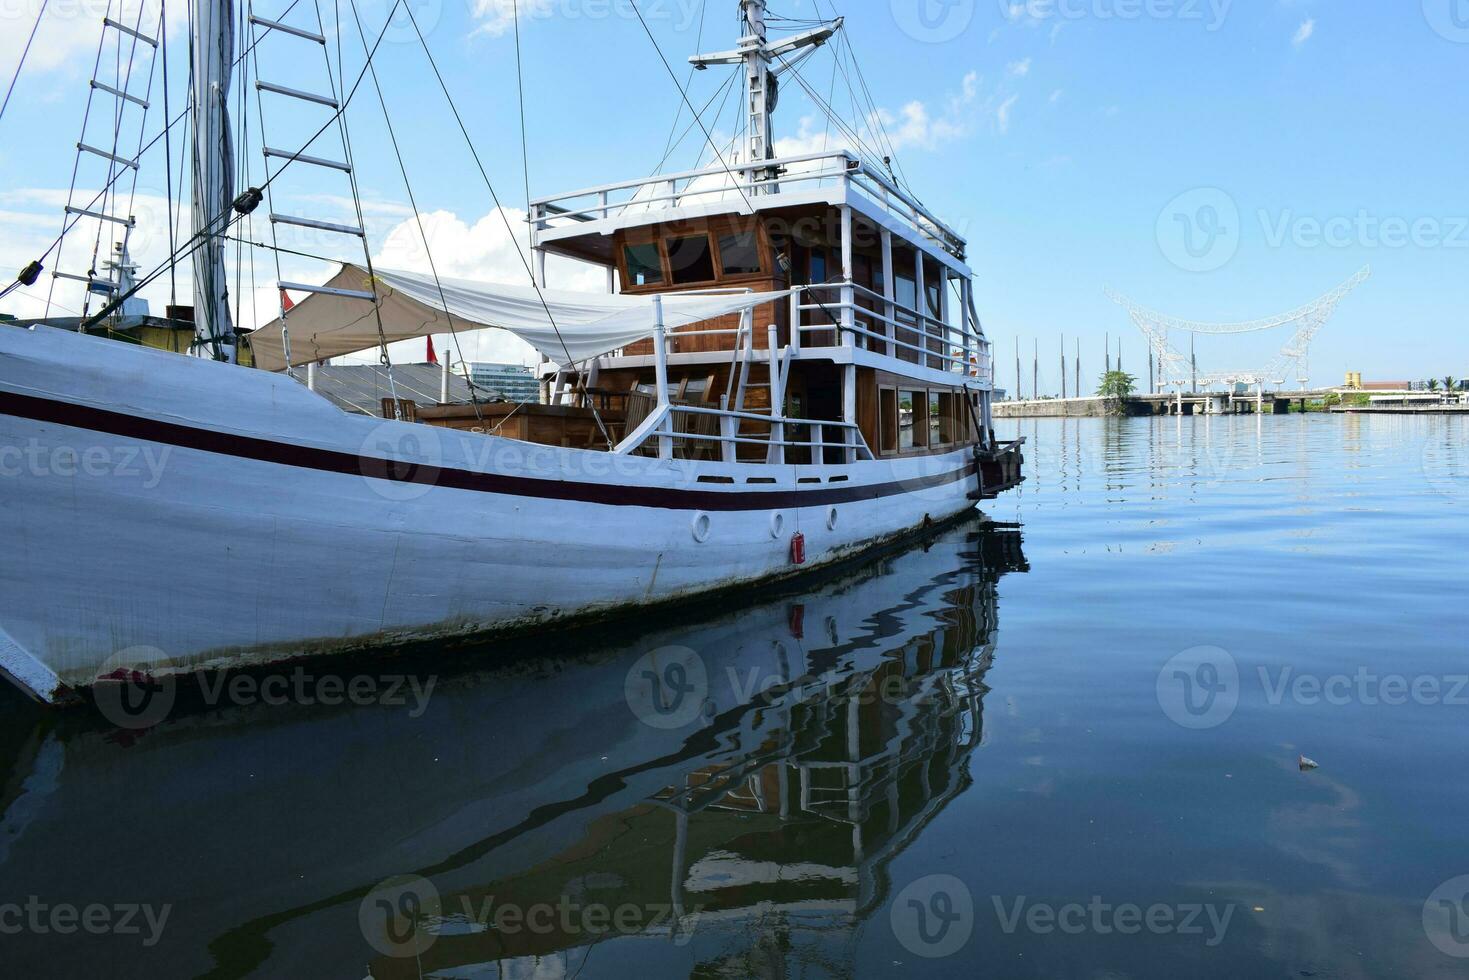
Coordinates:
[1077,143]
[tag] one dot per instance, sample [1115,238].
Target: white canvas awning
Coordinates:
[585,324]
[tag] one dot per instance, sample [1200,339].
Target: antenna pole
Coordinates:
[1063,365]
[1017,369]
[762,90]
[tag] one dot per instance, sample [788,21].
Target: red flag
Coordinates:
[286,304]
[432,357]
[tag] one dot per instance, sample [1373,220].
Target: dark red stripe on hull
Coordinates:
[331,461]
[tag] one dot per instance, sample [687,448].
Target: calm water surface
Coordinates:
[1067,750]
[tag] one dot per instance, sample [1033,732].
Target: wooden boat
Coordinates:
[788,369]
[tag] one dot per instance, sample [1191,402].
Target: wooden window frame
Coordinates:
[710,240]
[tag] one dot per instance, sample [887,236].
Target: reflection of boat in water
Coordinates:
[830,727]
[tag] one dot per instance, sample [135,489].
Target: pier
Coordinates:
[1167,403]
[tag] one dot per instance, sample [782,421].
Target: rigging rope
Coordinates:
[514,239]
[24,51]
[417,215]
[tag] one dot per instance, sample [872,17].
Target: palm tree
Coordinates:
[1433,384]
[1449,384]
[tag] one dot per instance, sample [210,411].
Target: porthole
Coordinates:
[777,524]
[701,527]
[831,519]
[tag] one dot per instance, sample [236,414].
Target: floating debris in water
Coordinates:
[1308,764]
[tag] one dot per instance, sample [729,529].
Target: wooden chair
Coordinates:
[699,425]
[640,404]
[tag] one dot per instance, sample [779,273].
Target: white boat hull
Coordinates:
[168,514]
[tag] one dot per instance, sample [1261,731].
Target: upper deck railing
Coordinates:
[740,186]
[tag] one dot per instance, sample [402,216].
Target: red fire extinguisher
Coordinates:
[798,549]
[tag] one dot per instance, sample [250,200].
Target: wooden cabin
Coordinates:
[879,333]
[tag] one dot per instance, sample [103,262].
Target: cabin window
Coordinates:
[913,419]
[888,424]
[689,260]
[818,266]
[739,253]
[905,291]
[644,268]
[945,410]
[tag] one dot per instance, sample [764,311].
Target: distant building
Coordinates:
[511,381]
[1387,386]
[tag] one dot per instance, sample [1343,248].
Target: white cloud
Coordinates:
[498,16]
[1019,69]
[67,37]
[1304,32]
[485,251]
[915,124]
[1056,95]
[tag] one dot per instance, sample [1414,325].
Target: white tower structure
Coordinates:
[1176,369]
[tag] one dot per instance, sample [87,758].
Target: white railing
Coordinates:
[735,184]
[935,342]
[661,429]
